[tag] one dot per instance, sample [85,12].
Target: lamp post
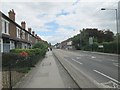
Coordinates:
[80,40]
[116,22]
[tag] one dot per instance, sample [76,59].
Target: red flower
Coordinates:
[24,54]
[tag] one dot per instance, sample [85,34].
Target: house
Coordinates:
[14,35]
[67,44]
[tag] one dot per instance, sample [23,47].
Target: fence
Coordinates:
[10,80]
[14,67]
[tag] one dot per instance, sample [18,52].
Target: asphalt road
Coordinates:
[101,68]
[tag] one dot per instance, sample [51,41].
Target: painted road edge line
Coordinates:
[107,76]
[77,61]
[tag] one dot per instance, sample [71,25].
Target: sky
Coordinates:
[58,20]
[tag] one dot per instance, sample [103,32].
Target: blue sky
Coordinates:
[57,20]
[62,13]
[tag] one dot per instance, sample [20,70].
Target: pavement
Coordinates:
[45,75]
[93,69]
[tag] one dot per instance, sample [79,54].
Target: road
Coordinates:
[100,69]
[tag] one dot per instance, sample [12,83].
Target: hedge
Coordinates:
[111,47]
[108,47]
[16,60]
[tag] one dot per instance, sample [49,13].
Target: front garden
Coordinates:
[19,62]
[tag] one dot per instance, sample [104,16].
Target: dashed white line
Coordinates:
[116,64]
[107,76]
[78,57]
[76,61]
[93,57]
[113,60]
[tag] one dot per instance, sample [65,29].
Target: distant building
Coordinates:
[67,44]
[57,46]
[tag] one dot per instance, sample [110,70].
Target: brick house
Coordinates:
[13,35]
[67,44]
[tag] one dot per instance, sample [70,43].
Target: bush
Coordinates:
[30,52]
[9,58]
[87,48]
[110,47]
[95,46]
[23,57]
[40,45]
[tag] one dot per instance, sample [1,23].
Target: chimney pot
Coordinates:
[29,30]
[12,15]
[23,24]
[36,35]
[33,32]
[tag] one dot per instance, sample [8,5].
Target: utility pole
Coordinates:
[116,12]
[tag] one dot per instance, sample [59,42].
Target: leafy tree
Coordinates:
[40,45]
[109,36]
[76,41]
[81,41]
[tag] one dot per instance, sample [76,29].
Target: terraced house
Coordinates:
[15,35]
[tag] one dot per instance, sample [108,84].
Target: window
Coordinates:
[28,37]
[12,45]
[18,32]
[5,26]
[1,45]
[23,34]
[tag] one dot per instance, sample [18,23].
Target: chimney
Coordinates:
[29,30]
[36,35]
[23,24]
[12,15]
[33,33]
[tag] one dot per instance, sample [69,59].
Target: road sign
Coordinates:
[90,40]
[100,46]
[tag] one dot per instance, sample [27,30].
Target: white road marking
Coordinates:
[78,57]
[93,57]
[113,60]
[107,76]
[116,64]
[76,61]
[110,84]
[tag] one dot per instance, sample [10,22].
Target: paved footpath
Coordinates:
[45,75]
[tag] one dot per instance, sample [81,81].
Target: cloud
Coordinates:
[60,35]
[51,25]
[62,13]
[76,2]
[57,20]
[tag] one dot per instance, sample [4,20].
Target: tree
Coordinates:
[76,41]
[109,36]
[40,45]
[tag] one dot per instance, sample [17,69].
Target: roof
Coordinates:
[6,17]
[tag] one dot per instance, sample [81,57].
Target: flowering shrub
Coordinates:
[25,54]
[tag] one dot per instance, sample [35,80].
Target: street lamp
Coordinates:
[80,40]
[116,22]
